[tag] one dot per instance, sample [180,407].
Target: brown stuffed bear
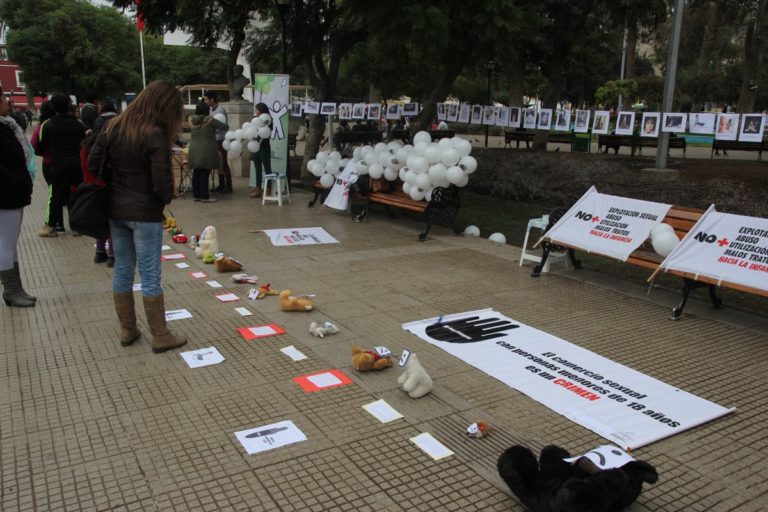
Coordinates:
[365,360]
[290,303]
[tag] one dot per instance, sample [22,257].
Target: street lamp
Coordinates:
[282,9]
[489,67]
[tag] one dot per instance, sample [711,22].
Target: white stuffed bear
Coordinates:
[320,330]
[415,381]
[208,243]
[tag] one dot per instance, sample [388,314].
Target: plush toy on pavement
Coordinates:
[366,360]
[289,302]
[559,483]
[266,289]
[208,243]
[415,381]
[321,330]
[227,264]
[478,429]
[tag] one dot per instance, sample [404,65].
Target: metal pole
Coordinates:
[669,84]
[623,62]
[143,70]
[488,100]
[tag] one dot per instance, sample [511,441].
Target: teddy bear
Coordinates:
[415,381]
[266,289]
[207,243]
[320,330]
[227,264]
[554,484]
[366,360]
[290,303]
[478,429]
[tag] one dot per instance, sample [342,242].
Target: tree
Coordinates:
[71,46]
[754,55]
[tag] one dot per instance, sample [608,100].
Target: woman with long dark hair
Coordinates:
[137,147]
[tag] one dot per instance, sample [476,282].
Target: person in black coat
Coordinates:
[16,160]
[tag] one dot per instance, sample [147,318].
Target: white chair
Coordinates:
[278,188]
[540,223]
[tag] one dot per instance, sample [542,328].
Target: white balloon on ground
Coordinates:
[663,243]
[454,174]
[468,164]
[326,180]
[220,117]
[422,136]
[376,171]
[253,146]
[498,238]
[265,132]
[472,230]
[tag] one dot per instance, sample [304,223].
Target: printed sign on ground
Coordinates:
[299,236]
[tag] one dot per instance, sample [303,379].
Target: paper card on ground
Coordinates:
[299,236]
[137,287]
[165,248]
[382,411]
[431,446]
[293,353]
[182,265]
[198,275]
[268,437]
[319,381]
[174,256]
[177,314]
[243,311]
[202,357]
[228,297]
[213,284]
[260,331]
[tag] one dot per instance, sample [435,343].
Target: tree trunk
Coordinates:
[515,84]
[439,92]
[754,50]
[629,71]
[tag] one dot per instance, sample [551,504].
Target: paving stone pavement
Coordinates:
[88,425]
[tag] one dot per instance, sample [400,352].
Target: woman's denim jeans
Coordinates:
[137,242]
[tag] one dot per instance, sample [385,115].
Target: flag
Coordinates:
[139,17]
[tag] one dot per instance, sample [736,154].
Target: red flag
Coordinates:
[139,17]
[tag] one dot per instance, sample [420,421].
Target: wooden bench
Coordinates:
[614,142]
[732,145]
[527,137]
[441,134]
[443,204]
[682,219]
[652,142]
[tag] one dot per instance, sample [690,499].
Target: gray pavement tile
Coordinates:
[241,491]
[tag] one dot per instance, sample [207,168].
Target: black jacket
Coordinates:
[15,181]
[88,115]
[140,178]
[62,134]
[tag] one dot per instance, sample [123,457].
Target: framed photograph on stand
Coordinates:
[752,127]
[581,125]
[625,123]
[514,117]
[673,122]
[649,127]
[600,122]
[545,119]
[529,119]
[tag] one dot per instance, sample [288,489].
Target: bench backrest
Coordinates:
[361,136]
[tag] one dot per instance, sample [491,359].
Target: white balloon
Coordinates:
[468,164]
[422,181]
[251,132]
[402,154]
[419,164]
[331,166]
[344,162]
[428,194]
[409,160]
[229,135]
[245,126]
[410,176]
[463,146]
[239,133]
[362,168]
[390,174]
[253,146]
[420,148]
[463,181]
[393,146]
[664,242]
[356,153]
[376,171]
[225,144]
[433,154]
[326,180]
[265,118]
[322,157]
[265,132]
[454,174]
[498,237]
[236,146]
[380,148]
[416,193]
[384,158]
[661,228]
[335,155]
[445,143]
[365,150]
[450,156]
[407,188]
[472,230]
[437,173]
[220,117]
[422,136]
[401,174]
[257,122]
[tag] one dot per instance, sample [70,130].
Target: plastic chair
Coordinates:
[540,223]
[278,188]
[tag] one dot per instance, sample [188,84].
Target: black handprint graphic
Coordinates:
[470,330]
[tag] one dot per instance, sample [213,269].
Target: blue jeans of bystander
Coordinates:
[137,242]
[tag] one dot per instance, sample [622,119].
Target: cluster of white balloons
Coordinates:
[249,136]
[421,167]
[663,239]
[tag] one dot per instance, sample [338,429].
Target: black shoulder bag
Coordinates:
[89,205]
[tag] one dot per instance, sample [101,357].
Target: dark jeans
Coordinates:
[224,170]
[262,159]
[61,182]
[200,183]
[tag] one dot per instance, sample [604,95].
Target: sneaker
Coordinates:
[100,257]
[60,229]
[48,232]
[110,261]
[209,200]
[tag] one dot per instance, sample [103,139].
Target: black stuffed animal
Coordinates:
[554,485]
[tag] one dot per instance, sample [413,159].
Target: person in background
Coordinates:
[17,161]
[106,112]
[225,174]
[89,112]
[46,112]
[442,125]
[63,134]
[263,157]
[137,146]
[203,151]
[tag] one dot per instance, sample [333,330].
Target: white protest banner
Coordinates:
[272,90]
[299,236]
[724,247]
[616,402]
[613,226]
[338,197]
